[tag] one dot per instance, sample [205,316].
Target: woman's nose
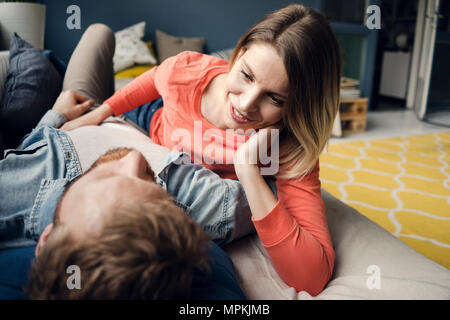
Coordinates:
[249,100]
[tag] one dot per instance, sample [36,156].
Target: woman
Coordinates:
[284,73]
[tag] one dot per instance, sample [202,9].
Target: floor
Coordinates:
[396,123]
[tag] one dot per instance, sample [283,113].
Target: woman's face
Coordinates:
[256,88]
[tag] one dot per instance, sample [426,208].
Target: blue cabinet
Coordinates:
[358,43]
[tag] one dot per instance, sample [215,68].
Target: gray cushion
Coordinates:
[168,46]
[32,86]
[362,249]
[223,54]
[4,66]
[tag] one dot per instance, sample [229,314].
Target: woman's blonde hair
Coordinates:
[311,54]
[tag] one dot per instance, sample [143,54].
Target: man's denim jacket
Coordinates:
[32,179]
[34,176]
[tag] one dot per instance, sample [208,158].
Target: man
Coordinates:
[114,221]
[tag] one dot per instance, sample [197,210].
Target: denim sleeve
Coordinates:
[32,179]
[52,118]
[218,205]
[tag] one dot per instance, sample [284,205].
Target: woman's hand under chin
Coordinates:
[246,165]
[249,155]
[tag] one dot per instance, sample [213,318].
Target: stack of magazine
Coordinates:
[349,88]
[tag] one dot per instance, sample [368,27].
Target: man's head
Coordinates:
[124,233]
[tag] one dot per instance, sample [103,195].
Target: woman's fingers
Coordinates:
[268,137]
[66,126]
[261,150]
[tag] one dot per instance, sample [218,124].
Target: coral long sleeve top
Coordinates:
[295,232]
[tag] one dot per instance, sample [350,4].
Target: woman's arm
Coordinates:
[93,117]
[139,91]
[136,93]
[293,229]
[295,235]
[259,196]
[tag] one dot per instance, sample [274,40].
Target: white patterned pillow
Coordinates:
[130,49]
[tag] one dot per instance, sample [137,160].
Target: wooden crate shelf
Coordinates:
[353,115]
[353,126]
[353,108]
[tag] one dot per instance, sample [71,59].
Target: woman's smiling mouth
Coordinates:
[237,116]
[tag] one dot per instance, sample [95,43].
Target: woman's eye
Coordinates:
[276,101]
[246,75]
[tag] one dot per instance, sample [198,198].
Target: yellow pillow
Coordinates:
[136,70]
[150,47]
[133,72]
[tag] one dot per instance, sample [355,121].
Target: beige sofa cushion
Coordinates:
[364,251]
[168,46]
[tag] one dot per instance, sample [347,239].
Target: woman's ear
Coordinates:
[43,238]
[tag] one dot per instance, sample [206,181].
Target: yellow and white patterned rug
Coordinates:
[402,184]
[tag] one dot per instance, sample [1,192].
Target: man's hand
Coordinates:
[72,104]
